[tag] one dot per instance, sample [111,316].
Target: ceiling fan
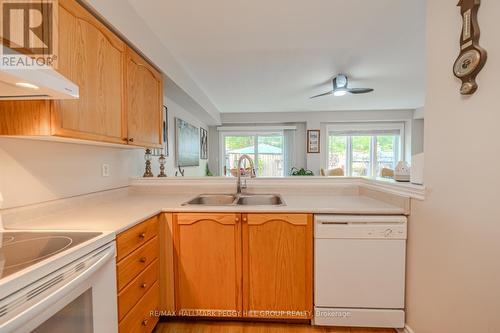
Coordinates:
[340,88]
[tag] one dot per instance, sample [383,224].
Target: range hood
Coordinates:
[41,83]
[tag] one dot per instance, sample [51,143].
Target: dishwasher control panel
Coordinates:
[338,226]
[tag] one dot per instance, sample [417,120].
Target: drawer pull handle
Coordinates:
[145,322]
[144,285]
[142,235]
[131,140]
[143,259]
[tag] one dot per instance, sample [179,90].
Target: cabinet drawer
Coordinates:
[139,319]
[136,262]
[129,240]
[137,288]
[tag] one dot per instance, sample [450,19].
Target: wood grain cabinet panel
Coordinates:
[138,271]
[25,117]
[93,57]
[208,264]
[121,93]
[136,289]
[167,286]
[144,102]
[139,319]
[131,239]
[277,265]
[136,262]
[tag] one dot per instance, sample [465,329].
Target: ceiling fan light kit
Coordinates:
[340,88]
[339,92]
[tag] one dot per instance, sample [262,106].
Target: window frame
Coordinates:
[363,127]
[255,134]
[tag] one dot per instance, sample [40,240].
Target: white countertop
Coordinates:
[118,210]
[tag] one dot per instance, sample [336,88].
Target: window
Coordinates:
[266,149]
[364,149]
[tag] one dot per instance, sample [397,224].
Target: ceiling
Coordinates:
[271,56]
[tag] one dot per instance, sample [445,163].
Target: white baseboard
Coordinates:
[406,329]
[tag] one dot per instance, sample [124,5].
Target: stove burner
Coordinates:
[7,239]
[19,253]
[21,249]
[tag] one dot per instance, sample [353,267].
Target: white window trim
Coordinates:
[222,146]
[241,129]
[376,126]
[363,126]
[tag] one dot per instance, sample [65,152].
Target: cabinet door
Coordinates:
[207,264]
[94,58]
[144,102]
[277,265]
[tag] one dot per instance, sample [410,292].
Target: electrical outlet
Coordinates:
[105,170]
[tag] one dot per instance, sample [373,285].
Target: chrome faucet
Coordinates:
[238,172]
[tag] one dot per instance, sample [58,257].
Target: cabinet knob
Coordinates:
[145,322]
[125,139]
[244,219]
[237,219]
[131,140]
[144,285]
[143,259]
[142,235]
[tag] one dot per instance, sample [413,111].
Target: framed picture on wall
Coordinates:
[165,150]
[203,144]
[187,144]
[313,141]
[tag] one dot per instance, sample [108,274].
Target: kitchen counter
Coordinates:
[118,210]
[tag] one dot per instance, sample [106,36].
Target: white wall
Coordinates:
[122,16]
[417,136]
[177,111]
[453,280]
[37,171]
[318,120]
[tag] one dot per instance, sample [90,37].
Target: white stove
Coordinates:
[21,249]
[57,281]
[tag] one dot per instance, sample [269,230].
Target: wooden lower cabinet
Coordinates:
[139,319]
[138,271]
[277,266]
[208,264]
[243,265]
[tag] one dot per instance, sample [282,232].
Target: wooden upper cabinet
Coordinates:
[207,264]
[93,57]
[121,94]
[144,101]
[277,265]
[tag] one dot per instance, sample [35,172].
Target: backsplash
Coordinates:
[34,171]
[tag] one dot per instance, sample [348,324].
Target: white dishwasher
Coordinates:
[359,270]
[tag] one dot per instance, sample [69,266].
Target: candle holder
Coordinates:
[162,160]
[147,158]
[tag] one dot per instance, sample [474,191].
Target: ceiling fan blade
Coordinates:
[359,90]
[325,94]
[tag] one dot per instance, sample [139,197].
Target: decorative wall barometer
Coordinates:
[472,57]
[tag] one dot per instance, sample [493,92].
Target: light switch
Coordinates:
[105,170]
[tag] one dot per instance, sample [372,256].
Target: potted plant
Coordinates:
[301,172]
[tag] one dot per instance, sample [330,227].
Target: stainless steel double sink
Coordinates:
[236,200]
